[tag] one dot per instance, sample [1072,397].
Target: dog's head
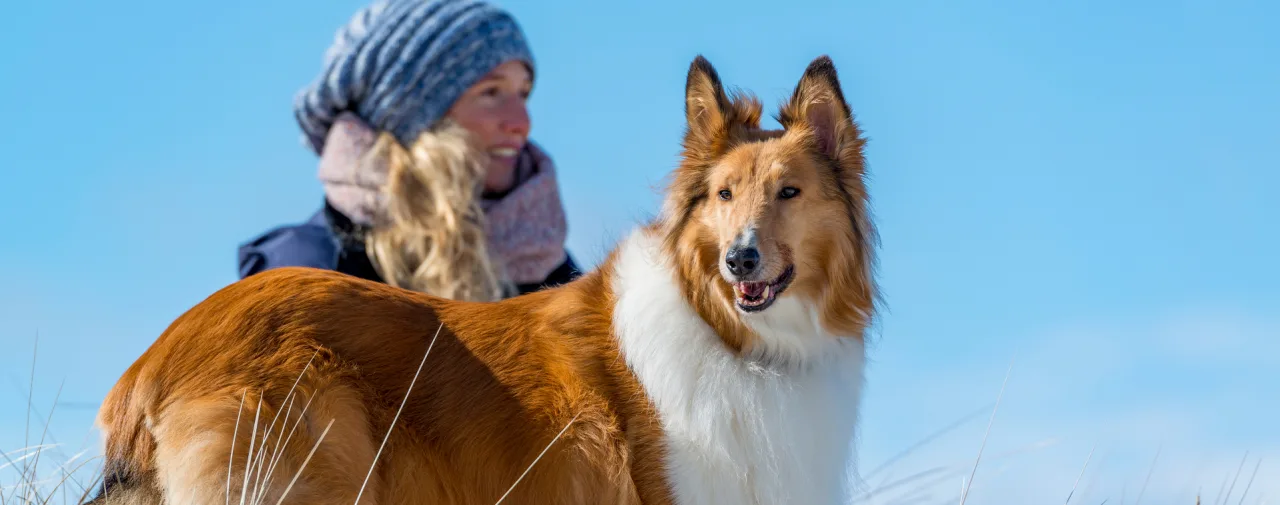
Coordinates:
[754,217]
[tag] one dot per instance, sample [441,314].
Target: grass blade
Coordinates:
[964,496]
[397,416]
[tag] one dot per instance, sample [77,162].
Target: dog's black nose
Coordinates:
[742,261]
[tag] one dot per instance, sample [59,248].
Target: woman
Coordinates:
[430,181]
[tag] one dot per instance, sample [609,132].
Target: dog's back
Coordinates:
[307,359]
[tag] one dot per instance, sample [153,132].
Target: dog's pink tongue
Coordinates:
[752,289]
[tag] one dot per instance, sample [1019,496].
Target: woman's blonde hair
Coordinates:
[432,236]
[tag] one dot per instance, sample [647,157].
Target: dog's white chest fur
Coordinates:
[737,432]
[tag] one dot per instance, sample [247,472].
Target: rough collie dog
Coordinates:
[714,357]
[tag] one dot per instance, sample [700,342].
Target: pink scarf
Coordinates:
[526,228]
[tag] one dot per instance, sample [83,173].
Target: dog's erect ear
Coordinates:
[818,105]
[705,103]
[711,114]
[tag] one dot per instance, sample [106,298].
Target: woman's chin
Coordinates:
[501,176]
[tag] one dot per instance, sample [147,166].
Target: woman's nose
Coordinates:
[516,118]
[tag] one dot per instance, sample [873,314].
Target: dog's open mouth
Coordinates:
[759,295]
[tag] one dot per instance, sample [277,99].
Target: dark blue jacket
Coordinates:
[329,240]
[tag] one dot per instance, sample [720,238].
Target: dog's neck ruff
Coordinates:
[737,429]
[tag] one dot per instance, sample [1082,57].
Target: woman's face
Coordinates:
[493,110]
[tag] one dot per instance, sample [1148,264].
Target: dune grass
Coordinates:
[28,475]
[22,480]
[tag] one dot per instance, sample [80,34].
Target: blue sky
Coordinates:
[1082,187]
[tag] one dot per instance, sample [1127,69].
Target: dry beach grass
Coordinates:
[44,473]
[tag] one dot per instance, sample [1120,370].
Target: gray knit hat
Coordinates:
[400,64]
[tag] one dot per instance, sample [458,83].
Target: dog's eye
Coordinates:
[788,193]
[725,194]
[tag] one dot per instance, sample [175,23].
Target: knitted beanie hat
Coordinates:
[400,64]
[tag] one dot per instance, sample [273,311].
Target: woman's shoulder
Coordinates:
[563,274]
[309,244]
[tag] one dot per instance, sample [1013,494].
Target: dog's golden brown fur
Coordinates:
[504,379]
[499,383]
